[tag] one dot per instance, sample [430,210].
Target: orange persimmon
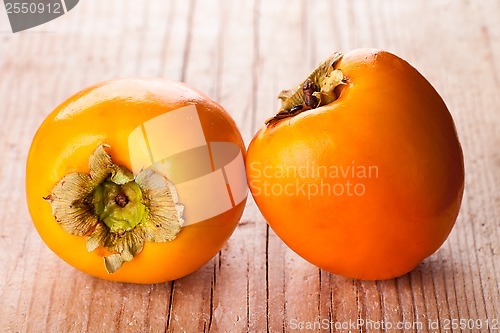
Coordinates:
[136,180]
[361,172]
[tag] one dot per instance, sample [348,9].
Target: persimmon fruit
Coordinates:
[136,180]
[361,171]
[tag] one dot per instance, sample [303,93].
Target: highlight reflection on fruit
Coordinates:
[361,171]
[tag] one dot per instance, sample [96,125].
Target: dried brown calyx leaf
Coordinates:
[116,211]
[316,90]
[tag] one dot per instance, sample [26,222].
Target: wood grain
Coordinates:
[242,53]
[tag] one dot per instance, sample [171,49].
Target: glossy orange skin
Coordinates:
[388,116]
[107,113]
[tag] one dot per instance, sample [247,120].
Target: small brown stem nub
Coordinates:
[309,88]
[121,199]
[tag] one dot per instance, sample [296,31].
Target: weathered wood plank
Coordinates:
[242,53]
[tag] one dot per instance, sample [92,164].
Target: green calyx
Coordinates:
[114,210]
[120,207]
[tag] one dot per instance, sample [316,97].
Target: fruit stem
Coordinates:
[316,90]
[121,199]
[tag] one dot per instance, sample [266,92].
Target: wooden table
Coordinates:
[242,53]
